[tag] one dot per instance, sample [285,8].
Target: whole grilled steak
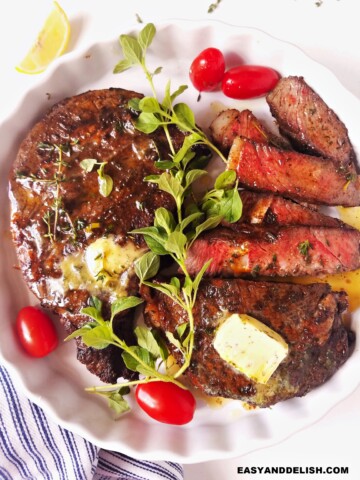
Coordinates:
[69,225]
[303,177]
[309,123]
[318,341]
[281,251]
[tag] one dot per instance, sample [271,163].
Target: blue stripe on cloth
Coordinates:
[10,452]
[22,428]
[32,447]
[49,441]
[4,474]
[111,464]
[177,467]
[74,454]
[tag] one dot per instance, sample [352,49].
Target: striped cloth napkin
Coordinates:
[32,447]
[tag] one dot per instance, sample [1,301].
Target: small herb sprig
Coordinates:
[214,6]
[51,217]
[105,181]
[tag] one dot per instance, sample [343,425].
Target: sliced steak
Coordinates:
[281,251]
[309,123]
[318,341]
[270,209]
[234,123]
[303,177]
[58,212]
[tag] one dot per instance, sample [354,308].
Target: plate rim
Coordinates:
[210,454]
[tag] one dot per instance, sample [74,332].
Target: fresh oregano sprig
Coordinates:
[145,358]
[171,234]
[155,114]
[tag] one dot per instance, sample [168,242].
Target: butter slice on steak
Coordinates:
[317,339]
[58,212]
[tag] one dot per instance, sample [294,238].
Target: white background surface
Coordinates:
[329,33]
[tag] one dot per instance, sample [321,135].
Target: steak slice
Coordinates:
[280,251]
[233,123]
[58,213]
[270,209]
[318,341]
[308,122]
[305,178]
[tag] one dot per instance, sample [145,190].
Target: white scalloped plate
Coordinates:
[57,382]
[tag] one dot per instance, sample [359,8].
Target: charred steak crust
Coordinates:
[305,119]
[93,125]
[318,341]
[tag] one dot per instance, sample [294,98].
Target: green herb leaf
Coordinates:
[181,329]
[147,340]
[97,303]
[199,276]
[147,122]
[208,224]
[164,164]
[171,185]
[161,344]
[156,246]
[178,92]
[176,243]
[132,51]
[188,142]
[177,343]
[193,175]
[304,248]
[168,289]
[132,362]
[147,266]
[124,303]
[176,283]
[189,219]
[165,219]
[149,105]
[123,65]
[146,36]
[105,185]
[105,182]
[98,337]
[94,313]
[88,164]
[225,180]
[185,116]
[134,104]
[117,403]
[231,206]
[154,238]
[80,331]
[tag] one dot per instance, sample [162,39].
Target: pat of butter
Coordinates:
[105,259]
[250,346]
[104,266]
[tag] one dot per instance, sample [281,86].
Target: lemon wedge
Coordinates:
[51,42]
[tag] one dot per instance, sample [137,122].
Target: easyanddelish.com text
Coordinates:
[293,470]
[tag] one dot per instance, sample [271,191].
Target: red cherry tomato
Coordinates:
[166,402]
[36,332]
[249,81]
[207,70]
